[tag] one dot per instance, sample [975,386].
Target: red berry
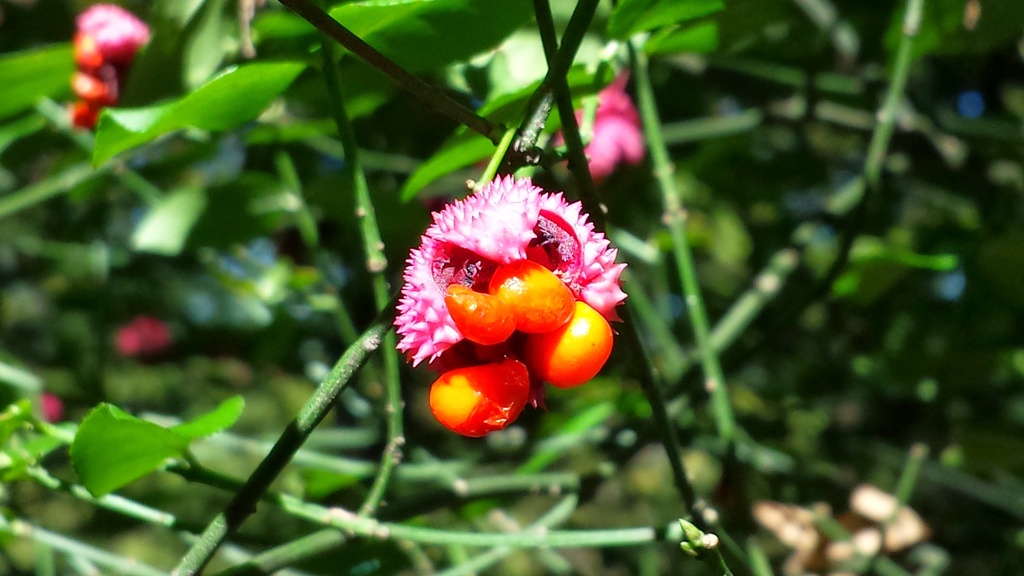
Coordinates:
[573,354]
[478,400]
[481,318]
[539,300]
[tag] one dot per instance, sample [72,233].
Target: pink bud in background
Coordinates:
[143,336]
[115,33]
[107,40]
[53,408]
[617,135]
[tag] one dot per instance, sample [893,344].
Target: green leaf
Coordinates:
[633,16]
[228,100]
[699,38]
[167,225]
[33,74]
[113,448]
[459,152]
[220,418]
[422,35]
[205,46]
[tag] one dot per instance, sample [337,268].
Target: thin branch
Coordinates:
[425,93]
[560,56]
[675,219]
[376,264]
[578,165]
[65,545]
[319,404]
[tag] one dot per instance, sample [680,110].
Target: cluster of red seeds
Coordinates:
[106,43]
[527,327]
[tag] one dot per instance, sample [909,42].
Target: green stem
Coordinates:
[58,116]
[879,145]
[492,167]
[65,545]
[376,264]
[738,317]
[318,405]
[699,129]
[759,563]
[563,100]
[371,528]
[560,60]
[557,515]
[111,502]
[578,165]
[269,562]
[425,93]
[908,478]
[52,186]
[675,218]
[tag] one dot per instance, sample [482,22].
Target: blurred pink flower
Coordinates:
[53,408]
[107,40]
[143,336]
[116,33]
[617,137]
[506,221]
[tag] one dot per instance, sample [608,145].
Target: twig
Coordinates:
[244,503]
[376,264]
[560,59]
[675,220]
[63,544]
[425,93]
[557,515]
[563,100]
[578,165]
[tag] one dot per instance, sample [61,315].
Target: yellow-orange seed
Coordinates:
[539,300]
[478,400]
[482,318]
[574,353]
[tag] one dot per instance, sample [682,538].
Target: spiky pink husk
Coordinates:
[497,224]
[117,32]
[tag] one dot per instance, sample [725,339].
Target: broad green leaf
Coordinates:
[633,16]
[423,35]
[33,74]
[166,227]
[365,18]
[279,24]
[699,38]
[205,45]
[220,418]
[456,154]
[228,100]
[113,448]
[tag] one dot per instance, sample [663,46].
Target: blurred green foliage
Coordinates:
[181,207]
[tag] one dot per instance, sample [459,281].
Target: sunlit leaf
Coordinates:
[699,38]
[33,74]
[113,448]
[220,418]
[633,16]
[166,226]
[423,35]
[217,105]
